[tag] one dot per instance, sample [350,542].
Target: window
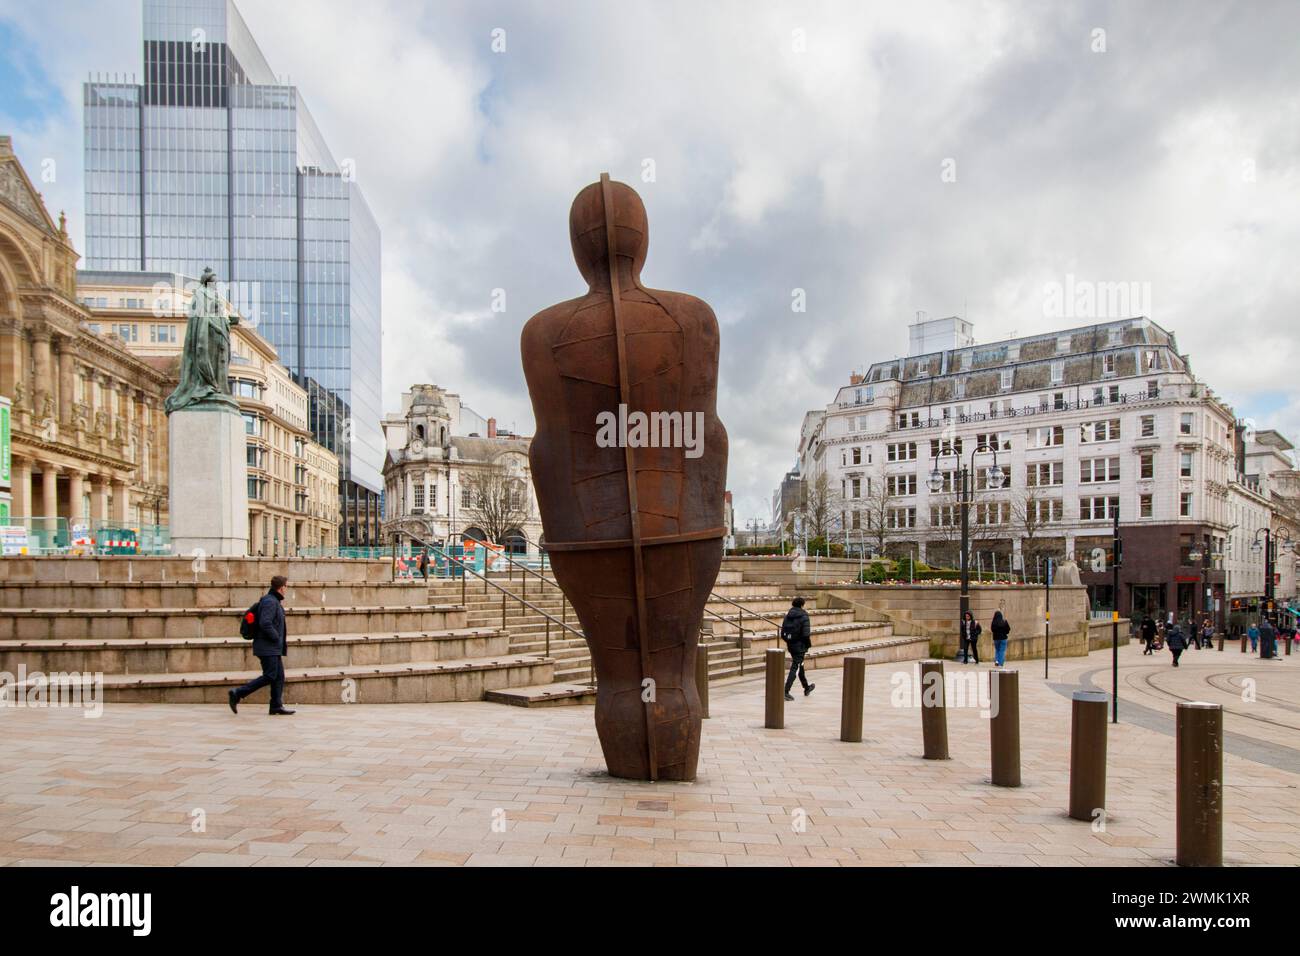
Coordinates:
[938,448]
[856,486]
[992,512]
[1048,436]
[1007,377]
[251,424]
[1153,388]
[901,518]
[1105,430]
[900,485]
[464,497]
[1044,474]
[1145,509]
[992,441]
[1045,510]
[417,499]
[1147,465]
[1185,504]
[959,388]
[945,516]
[1098,508]
[1058,401]
[1108,364]
[1062,343]
[857,456]
[1148,426]
[1093,470]
[1058,372]
[901,451]
[251,456]
[909,420]
[1150,360]
[1185,465]
[159,334]
[982,477]
[1185,423]
[127,333]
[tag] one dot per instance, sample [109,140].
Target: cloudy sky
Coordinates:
[884,158]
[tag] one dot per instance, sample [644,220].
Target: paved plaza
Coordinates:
[482,784]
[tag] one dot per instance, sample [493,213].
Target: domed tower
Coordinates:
[428,422]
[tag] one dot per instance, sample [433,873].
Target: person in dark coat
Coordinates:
[424,563]
[1148,634]
[1176,641]
[970,638]
[796,631]
[1001,634]
[1267,639]
[270,645]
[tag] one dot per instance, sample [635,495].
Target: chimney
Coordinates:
[855,378]
[492,428]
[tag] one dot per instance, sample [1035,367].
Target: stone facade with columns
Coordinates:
[86,412]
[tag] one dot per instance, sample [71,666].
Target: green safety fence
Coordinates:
[40,535]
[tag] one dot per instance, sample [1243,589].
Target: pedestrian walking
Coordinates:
[270,645]
[1177,642]
[1001,630]
[424,563]
[796,631]
[1252,632]
[1267,640]
[1207,634]
[1148,634]
[970,637]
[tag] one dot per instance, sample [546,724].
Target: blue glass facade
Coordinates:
[212,162]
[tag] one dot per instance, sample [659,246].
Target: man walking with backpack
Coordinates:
[796,631]
[270,644]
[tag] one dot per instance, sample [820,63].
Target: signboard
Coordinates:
[13,540]
[4,444]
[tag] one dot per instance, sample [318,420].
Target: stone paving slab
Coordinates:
[478,784]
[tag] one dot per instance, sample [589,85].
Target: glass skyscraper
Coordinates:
[211,161]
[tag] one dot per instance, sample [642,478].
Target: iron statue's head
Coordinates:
[208,276]
[587,230]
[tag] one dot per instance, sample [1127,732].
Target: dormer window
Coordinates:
[1063,343]
[1058,372]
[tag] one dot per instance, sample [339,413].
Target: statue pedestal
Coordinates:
[208,478]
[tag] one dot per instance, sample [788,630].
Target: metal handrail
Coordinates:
[504,594]
[511,562]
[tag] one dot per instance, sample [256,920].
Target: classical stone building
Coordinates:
[293,481]
[86,412]
[435,475]
[1084,422]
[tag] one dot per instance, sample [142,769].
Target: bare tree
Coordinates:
[498,501]
[819,503]
[875,513]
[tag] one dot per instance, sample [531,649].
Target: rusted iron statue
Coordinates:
[630,461]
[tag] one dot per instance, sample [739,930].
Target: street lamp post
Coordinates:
[994,479]
[1269,548]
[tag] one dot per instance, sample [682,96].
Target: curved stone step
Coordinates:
[431,682]
[216,654]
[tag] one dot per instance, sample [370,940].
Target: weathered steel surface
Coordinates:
[634,533]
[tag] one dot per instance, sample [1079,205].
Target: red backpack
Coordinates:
[248,623]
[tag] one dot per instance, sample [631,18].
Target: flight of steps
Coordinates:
[737,637]
[162,631]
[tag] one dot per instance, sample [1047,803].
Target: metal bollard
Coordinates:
[855,685]
[1243,643]
[934,715]
[1200,784]
[702,677]
[1004,727]
[1289,642]
[1221,636]
[1088,754]
[774,711]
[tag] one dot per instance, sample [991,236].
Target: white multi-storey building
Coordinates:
[1083,423]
